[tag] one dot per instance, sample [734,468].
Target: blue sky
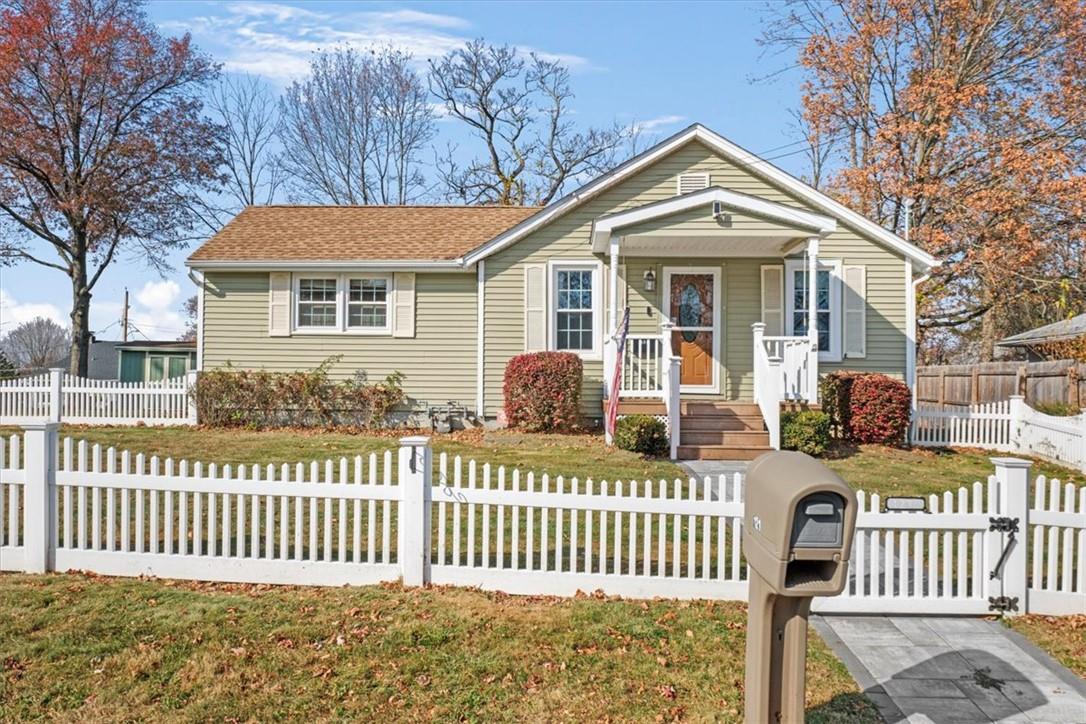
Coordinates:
[663,65]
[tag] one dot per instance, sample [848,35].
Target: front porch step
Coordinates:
[724,438]
[716,407]
[723,421]
[720,452]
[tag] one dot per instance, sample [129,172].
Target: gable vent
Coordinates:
[688,182]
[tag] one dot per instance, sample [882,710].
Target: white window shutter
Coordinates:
[773,300]
[855,311]
[535,307]
[279,304]
[403,304]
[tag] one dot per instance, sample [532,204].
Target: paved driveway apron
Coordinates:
[943,669]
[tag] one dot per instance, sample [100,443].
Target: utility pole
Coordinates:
[124,317]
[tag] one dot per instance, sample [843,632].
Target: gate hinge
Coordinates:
[1003,525]
[1003,603]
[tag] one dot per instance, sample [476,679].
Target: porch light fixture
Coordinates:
[650,280]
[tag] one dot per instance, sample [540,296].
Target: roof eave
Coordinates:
[325,264]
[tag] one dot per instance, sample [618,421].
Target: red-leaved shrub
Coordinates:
[879,409]
[543,391]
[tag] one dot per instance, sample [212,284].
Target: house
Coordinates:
[1040,343]
[710,248]
[154,360]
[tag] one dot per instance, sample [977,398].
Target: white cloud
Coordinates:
[156,313]
[159,295]
[276,41]
[13,312]
[654,123]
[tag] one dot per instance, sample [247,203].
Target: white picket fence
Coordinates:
[60,397]
[1008,426]
[69,505]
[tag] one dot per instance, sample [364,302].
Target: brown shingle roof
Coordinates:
[358,233]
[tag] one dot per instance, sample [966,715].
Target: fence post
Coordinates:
[1012,477]
[56,381]
[415,478]
[1017,410]
[40,496]
[190,395]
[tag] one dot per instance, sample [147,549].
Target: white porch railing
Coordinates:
[795,356]
[643,362]
[767,386]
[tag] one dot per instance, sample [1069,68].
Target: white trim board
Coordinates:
[605,226]
[718,317]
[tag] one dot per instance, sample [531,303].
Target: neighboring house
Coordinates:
[154,360]
[1047,342]
[695,230]
[102,361]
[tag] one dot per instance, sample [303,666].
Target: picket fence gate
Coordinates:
[67,505]
[1008,426]
[57,396]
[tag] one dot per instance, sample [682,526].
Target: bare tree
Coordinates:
[519,108]
[405,121]
[247,111]
[191,308]
[353,129]
[36,344]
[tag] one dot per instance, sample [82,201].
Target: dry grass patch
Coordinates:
[1062,637]
[79,647]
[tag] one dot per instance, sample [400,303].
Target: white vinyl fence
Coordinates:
[65,505]
[1009,426]
[60,397]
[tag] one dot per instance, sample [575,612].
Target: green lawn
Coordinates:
[77,647]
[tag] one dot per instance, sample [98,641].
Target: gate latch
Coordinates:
[1010,527]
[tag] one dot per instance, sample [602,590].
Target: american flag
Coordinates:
[616,383]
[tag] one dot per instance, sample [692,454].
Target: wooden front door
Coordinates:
[692,310]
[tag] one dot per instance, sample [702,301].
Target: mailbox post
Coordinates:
[798,524]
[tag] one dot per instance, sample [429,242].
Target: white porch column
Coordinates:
[609,350]
[812,319]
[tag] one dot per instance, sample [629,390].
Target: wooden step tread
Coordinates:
[719,452]
[726,438]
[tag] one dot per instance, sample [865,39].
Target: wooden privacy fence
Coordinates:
[1051,382]
[396,515]
[1008,426]
[60,397]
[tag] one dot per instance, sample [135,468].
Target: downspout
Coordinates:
[480,349]
[199,280]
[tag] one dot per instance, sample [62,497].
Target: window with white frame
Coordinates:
[367,303]
[575,304]
[827,305]
[318,303]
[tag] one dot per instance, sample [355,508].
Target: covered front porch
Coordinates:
[707,304]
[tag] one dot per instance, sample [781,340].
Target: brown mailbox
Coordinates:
[798,522]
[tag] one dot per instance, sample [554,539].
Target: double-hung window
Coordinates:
[575,304]
[827,295]
[367,304]
[318,303]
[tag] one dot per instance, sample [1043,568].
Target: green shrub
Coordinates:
[642,434]
[807,431]
[836,390]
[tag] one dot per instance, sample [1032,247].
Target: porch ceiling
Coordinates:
[685,225]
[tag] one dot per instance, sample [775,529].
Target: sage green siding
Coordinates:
[568,237]
[438,363]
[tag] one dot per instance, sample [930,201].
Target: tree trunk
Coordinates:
[81,296]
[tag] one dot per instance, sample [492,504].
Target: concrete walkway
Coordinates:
[944,669]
